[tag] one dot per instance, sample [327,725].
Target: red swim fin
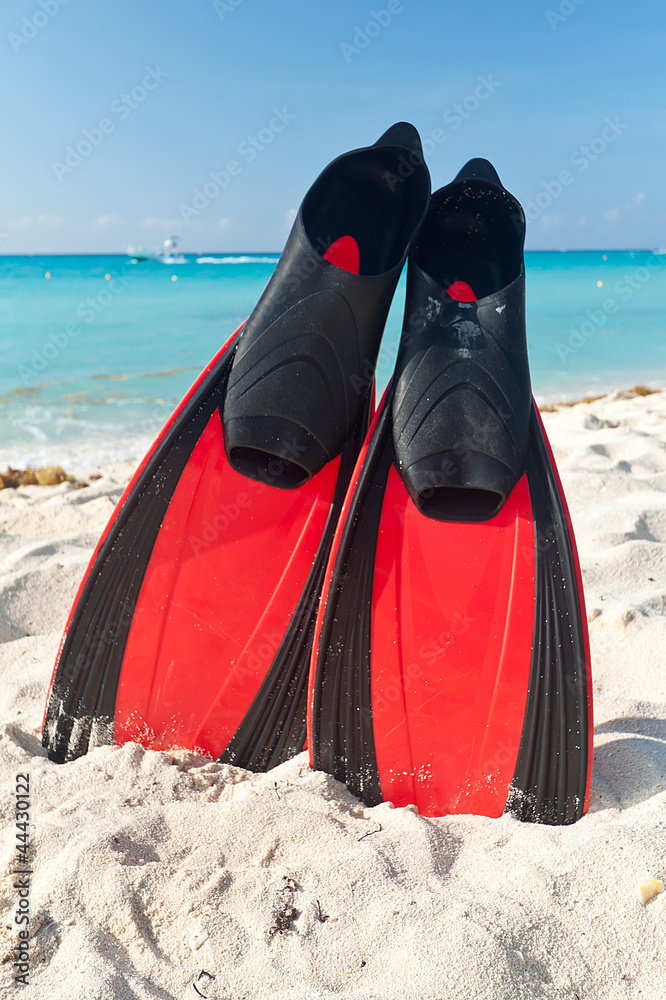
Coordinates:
[193,624]
[450,666]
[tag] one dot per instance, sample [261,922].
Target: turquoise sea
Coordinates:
[97,350]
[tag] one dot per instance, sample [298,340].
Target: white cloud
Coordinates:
[581,221]
[289,217]
[224,222]
[158,223]
[105,221]
[636,201]
[613,214]
[27,222]
[53,221]
[551,220]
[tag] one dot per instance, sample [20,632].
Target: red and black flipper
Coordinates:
[450,666]
[193,624]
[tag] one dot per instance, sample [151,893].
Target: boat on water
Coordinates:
[167,255]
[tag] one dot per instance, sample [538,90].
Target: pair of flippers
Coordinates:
[402,589]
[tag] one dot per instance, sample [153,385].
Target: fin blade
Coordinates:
[81,704]
[217,599]
[445,672]
[553,770]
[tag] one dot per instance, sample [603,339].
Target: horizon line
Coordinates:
[238,253]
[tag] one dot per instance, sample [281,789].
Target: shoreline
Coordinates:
[637,390]
[80,460]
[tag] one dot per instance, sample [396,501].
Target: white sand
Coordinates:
[137,851]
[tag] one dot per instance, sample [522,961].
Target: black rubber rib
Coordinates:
[318,327]
[342,728]
[462,397]
[550,779]
[82,701]
[274,727]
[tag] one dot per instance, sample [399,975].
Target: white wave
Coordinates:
[46,425]
[53,438]
[76,456]
[174,260]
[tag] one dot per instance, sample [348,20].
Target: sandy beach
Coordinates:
[159,875]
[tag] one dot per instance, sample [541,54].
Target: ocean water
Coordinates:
[96,350]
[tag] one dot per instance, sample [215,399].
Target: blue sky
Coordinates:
[565,97]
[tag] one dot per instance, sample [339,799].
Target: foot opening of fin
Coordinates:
[268,468]
[455,503]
